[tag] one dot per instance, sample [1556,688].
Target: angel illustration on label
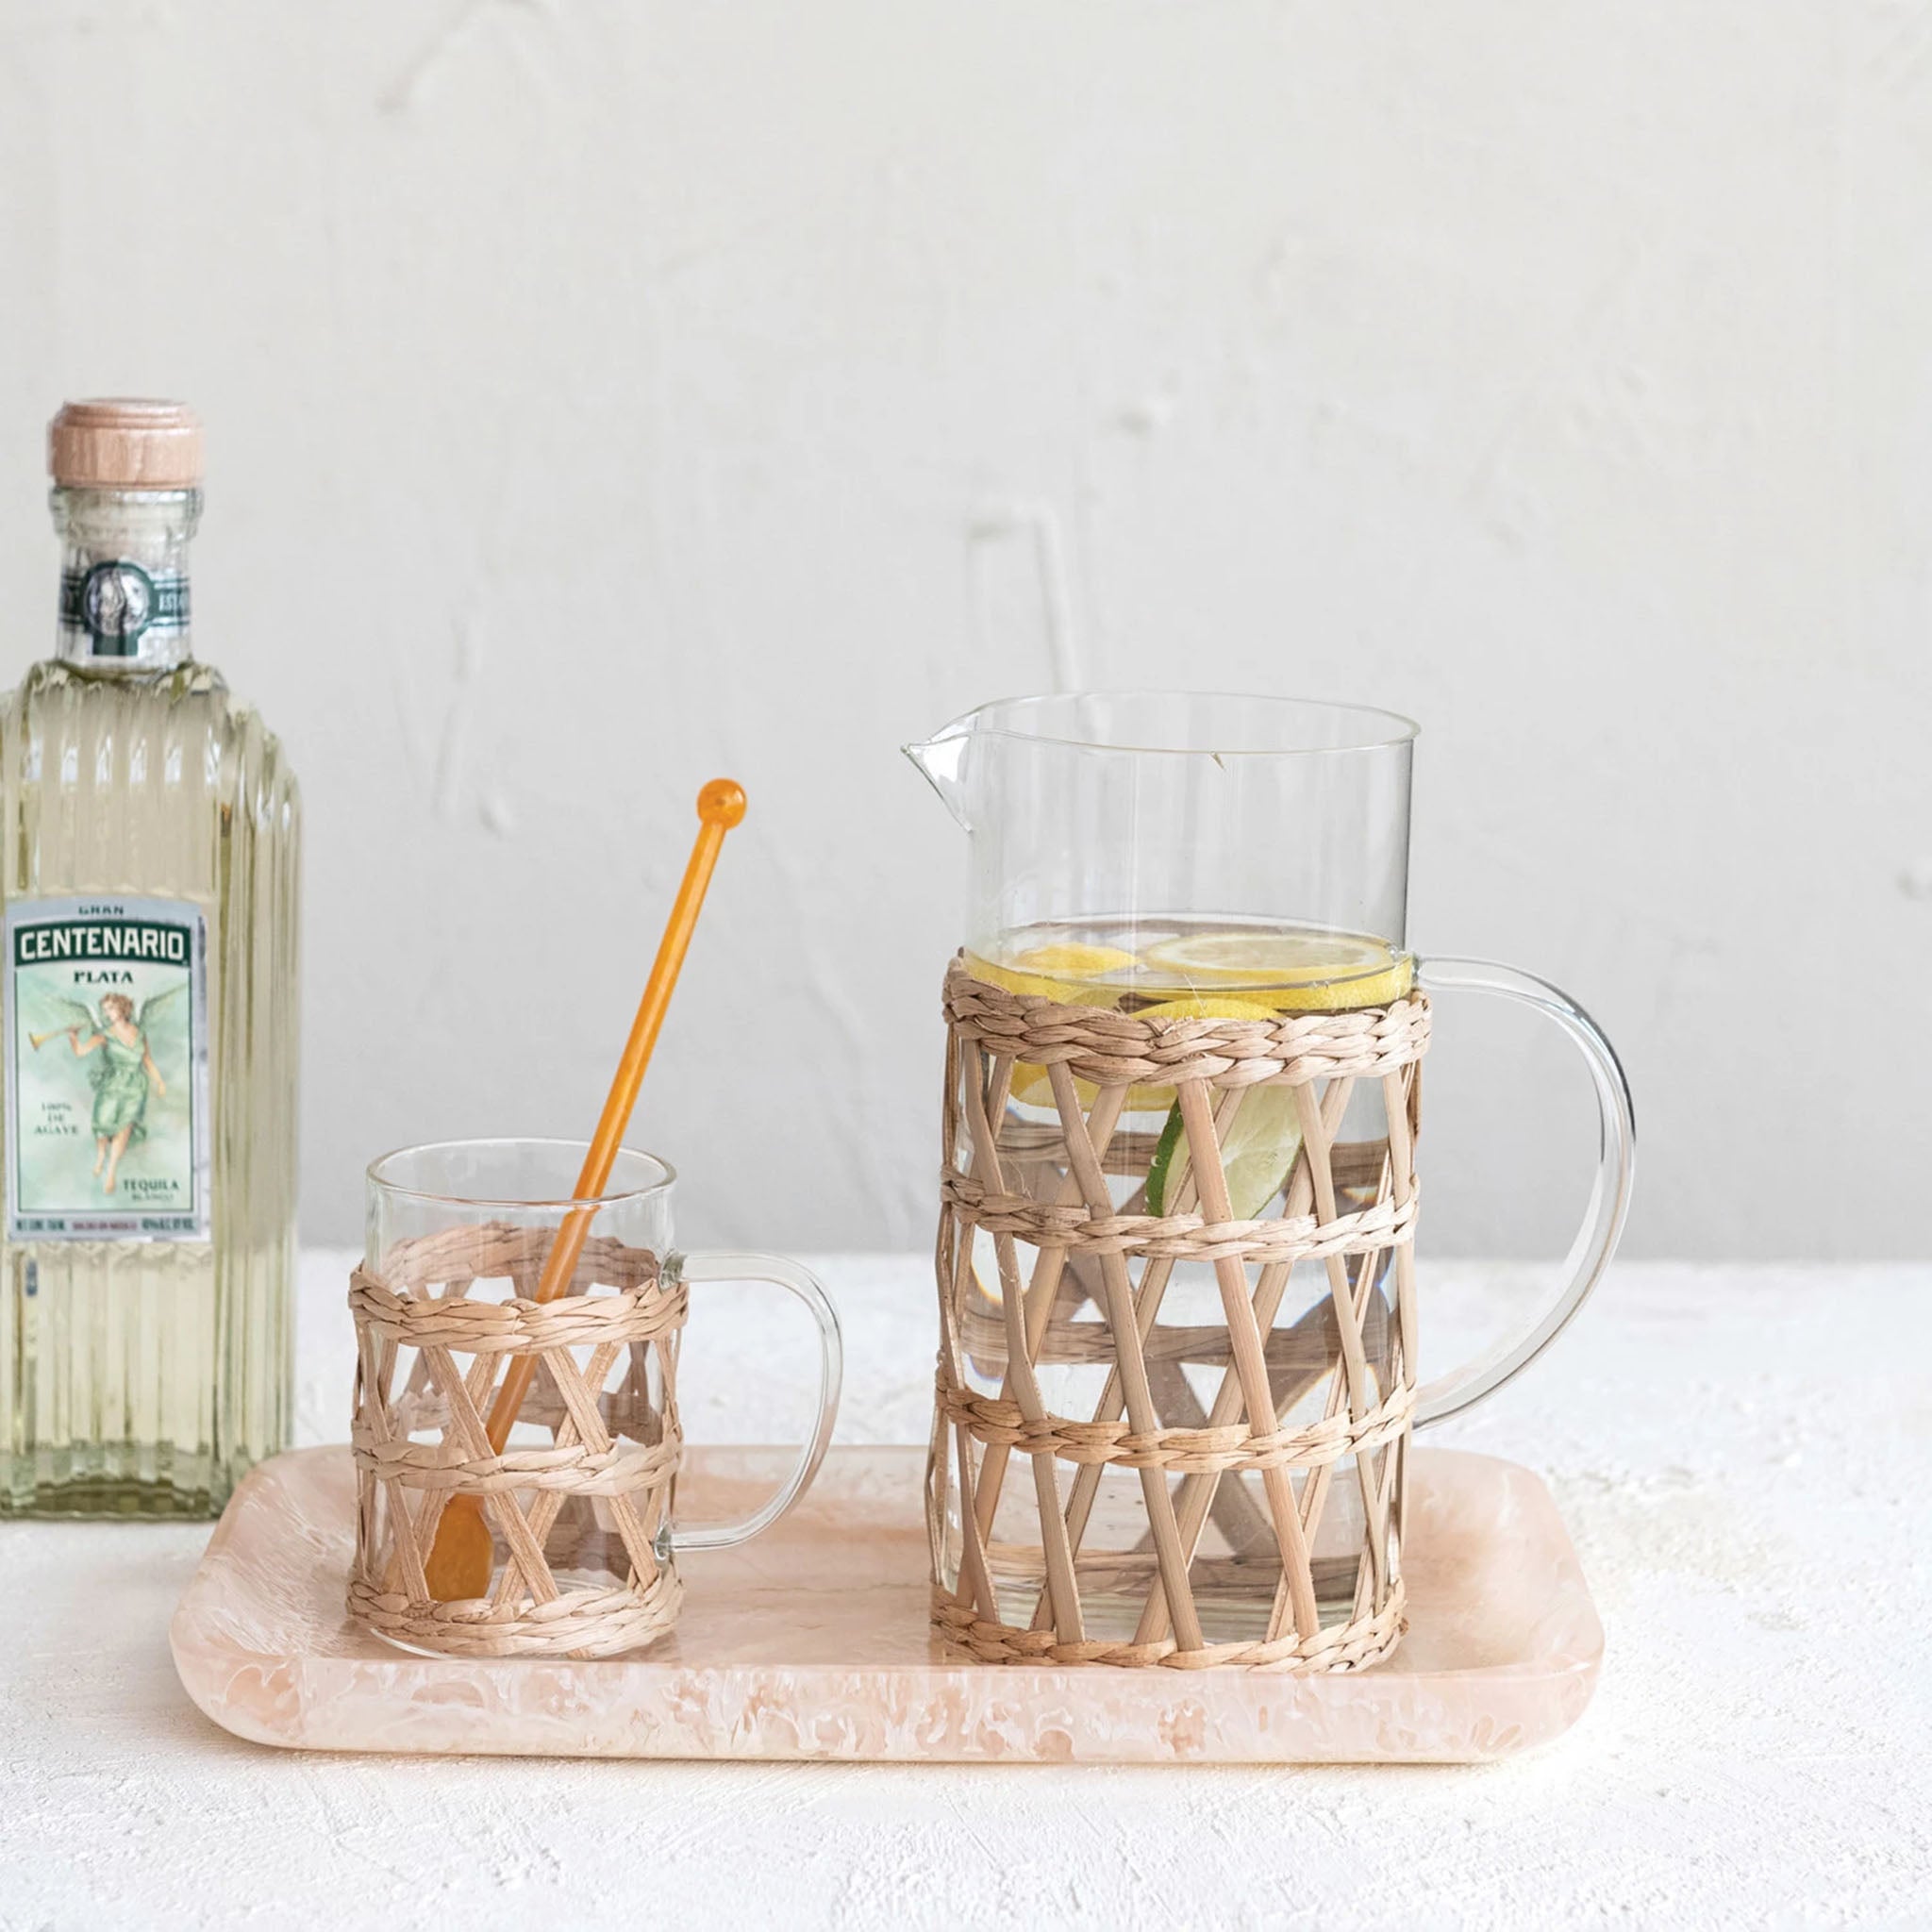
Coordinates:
[123,1067]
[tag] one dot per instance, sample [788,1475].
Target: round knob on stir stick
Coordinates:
[722,803]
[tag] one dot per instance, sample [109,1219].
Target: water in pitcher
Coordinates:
[1180,966]
[1271,966]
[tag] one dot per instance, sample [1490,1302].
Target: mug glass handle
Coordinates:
[1610,1199]
[804,1285]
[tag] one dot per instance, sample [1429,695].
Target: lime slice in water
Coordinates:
[1256,1156]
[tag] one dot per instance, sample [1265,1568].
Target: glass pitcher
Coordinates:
[1176,1250]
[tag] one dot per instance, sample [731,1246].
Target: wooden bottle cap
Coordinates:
[124,443]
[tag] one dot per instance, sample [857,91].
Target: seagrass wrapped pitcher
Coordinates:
[1178,1297]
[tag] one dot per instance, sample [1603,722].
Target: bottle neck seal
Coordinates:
[123,578]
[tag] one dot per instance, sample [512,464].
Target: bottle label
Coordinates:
[106,1103]
[116,604]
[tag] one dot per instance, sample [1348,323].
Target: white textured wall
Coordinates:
[601,396]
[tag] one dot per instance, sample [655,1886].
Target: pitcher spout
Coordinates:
[943,761]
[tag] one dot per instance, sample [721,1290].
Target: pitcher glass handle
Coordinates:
[1610,1200]
[804,1285]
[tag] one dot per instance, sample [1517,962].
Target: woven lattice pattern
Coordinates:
[576,1519]
[1273,1507]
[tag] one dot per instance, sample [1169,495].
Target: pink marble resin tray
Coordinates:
[811,1643]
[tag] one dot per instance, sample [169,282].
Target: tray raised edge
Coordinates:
[812,1643]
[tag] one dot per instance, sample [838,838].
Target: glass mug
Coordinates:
[581,1490]
[1227,869]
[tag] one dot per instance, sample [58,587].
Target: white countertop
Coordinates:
[1744,1455]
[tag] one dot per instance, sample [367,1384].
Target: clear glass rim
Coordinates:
[163,505]
[667,1175]
[1391,731]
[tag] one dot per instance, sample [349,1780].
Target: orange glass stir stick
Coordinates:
[460,1559]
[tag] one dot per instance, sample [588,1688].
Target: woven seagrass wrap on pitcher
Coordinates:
[602,1481]
[1011,1183]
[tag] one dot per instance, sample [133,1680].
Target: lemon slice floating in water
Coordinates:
[1067,972]
[1211,1005]
[1234,974]
[1288,971]
[1064,972]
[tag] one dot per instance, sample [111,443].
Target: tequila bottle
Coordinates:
[148,862]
